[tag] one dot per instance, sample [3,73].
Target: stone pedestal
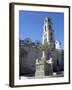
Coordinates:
[48,68]
[39,69]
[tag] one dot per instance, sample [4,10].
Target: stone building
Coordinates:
[36,61]
[54,51]
[29,52]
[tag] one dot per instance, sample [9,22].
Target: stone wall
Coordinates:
[29,67]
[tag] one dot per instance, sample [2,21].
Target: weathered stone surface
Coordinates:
[28,56]
[39,68]
[48,68]
[58,59]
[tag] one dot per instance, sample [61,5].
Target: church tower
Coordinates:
[48,33]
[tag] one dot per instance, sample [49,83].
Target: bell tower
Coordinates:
[48,33]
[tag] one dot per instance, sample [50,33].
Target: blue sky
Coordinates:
[31,25]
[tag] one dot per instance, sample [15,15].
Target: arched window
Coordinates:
[49,27]
[51,36]
[45,40]
[45,27]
